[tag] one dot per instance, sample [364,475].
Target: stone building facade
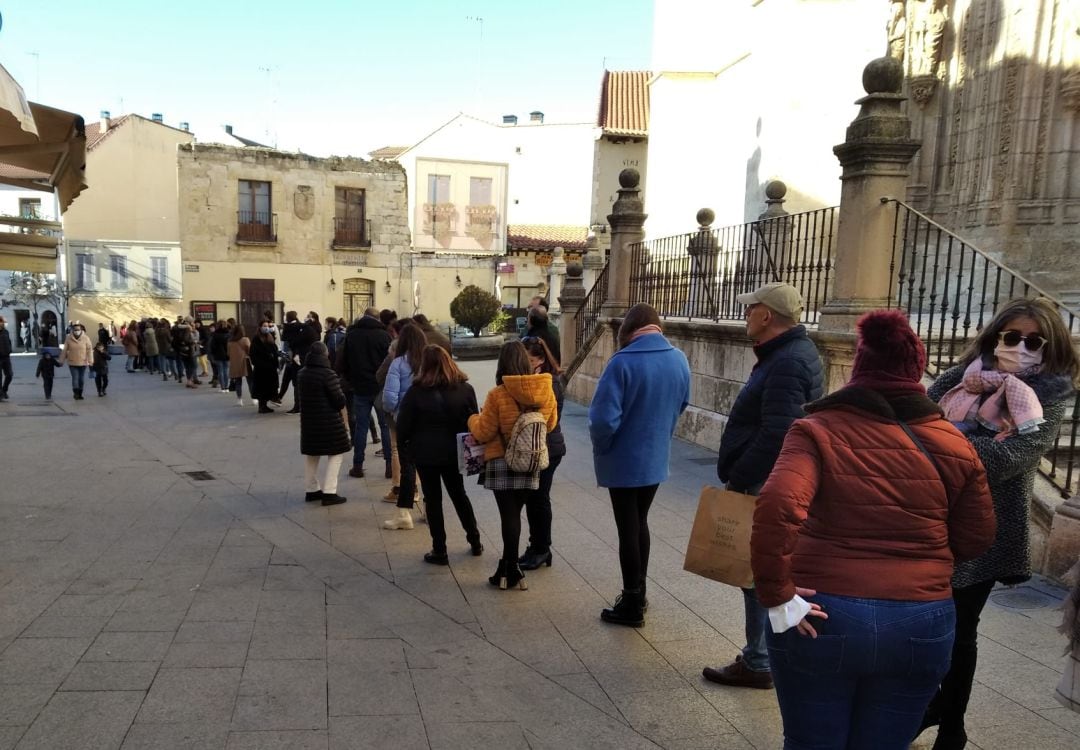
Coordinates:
[994,89]
[270,230]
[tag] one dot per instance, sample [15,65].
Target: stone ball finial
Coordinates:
[629,179]
[574,269]
[885,75]
[705,217]
[775,190]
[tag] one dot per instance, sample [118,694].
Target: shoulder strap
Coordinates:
[919,444]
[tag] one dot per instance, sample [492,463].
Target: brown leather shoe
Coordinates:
[737,674]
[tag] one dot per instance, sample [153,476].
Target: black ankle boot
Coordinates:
[475,544]
[950,738]
[627,610]
[533,559]
[508,575]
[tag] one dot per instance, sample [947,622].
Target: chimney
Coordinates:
[509,119]
[157,117]
[228,129]
[536,117]
[106,120]
[185,126]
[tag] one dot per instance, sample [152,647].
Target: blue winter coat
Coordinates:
[787,375]
[642,392]
[398,381]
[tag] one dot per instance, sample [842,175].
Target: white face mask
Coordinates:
[76,333]
[1017,358]
[266,330]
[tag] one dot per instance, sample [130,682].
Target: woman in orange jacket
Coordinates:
[516,390]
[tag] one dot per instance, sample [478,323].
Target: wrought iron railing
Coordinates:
[589,312]
[950,290]
[700,274]
[256,226]
[352,232]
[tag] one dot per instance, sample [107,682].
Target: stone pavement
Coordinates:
[144,607]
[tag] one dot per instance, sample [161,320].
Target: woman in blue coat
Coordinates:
[642,392]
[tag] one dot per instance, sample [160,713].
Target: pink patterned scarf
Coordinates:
[1012,403]
[644,331]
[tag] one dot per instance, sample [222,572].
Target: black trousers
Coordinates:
[47,381]
[510,503]
[5,374]
[538,509]
[407,490]
[289,376]
[951,701]
[631,507]
[101,378]
[432,479]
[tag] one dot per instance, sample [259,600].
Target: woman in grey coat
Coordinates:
[1008,395]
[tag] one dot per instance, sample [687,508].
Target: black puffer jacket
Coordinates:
[787,375]
[430,418]
[365,346]
[219,345]
[322,430]
[5,343]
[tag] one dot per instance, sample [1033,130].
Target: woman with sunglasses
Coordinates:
[538,503]
[1008,395]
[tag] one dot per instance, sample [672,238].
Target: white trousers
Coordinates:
[330,473]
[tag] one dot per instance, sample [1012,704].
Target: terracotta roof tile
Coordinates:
[546,236]
[95,134]
[388,152]
[624,103]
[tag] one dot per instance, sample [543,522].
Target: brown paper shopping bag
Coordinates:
[719,547]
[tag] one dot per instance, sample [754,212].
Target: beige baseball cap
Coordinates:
[778,297]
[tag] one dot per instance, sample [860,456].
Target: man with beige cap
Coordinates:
[787,375]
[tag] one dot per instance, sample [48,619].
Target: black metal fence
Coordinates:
[589,312]
[700,274]
[950,290]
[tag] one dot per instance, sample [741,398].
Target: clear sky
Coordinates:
[323,76]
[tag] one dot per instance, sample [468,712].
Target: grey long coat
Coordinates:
[1010,470]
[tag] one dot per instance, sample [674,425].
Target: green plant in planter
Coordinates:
[499,322]
[474,308]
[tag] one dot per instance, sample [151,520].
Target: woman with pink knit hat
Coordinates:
[873,499]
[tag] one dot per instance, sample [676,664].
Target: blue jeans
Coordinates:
[221,370]
[867,678]
[755,654]
[362,409]
[78,377]
[384,437]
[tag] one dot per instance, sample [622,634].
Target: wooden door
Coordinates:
[256,297]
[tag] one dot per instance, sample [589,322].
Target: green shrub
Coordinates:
[474,308]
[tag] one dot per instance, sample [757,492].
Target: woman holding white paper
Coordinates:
[872,500]
[434,410]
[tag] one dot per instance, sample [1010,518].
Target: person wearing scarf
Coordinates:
[644,388]
[873,498]
[1008,395]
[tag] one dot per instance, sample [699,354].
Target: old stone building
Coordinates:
[994,96]
[270,230]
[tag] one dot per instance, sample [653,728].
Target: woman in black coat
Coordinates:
[434,410]
[323,431]
[264,376]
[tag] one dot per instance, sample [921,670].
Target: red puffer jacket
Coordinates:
[854,508]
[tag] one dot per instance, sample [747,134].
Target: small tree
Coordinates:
[474,308]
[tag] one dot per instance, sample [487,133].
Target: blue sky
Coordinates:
[323,76]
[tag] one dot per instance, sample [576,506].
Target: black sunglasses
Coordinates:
[1033,342]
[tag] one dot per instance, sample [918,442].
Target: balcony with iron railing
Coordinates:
[256,227]
[351,233]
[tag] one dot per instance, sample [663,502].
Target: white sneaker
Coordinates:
[403,521]
[225,390]
[240,402]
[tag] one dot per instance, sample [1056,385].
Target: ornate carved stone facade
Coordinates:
[994,96]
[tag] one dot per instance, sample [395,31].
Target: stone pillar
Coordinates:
[558,271]
[627,221]
[573,295]
[1063,547]
[593,260]
[702,250]
[875,157]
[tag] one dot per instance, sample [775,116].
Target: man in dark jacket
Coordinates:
[366,344]
[5,359]
[787,375]
[539,328]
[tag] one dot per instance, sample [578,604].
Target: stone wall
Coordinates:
[720,357]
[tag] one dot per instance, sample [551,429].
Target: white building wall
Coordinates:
[743,94]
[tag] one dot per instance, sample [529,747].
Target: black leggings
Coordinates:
[432,479]
[631,507]
[951,701]
[510,503]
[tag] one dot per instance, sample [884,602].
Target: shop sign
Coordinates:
[505,268]
[349,259]
[204,311]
